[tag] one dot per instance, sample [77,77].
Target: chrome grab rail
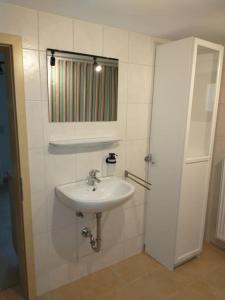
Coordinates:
[127,173]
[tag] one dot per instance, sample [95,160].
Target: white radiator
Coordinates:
[220,231]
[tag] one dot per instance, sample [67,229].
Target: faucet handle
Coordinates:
[93,172]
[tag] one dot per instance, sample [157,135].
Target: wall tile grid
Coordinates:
[61,254]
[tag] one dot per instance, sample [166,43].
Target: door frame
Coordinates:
[15,42]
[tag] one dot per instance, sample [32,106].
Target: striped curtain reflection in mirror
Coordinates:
[77,93]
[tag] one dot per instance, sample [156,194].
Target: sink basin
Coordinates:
[109,193]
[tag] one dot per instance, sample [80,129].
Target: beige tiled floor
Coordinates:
[141,278]
[11,294]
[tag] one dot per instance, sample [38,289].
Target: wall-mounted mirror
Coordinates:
[81,87]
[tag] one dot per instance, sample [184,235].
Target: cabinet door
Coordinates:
[192,210]
[169,118]
[203,103]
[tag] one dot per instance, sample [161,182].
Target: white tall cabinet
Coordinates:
[185,101]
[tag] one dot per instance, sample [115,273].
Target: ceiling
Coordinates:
[170,19]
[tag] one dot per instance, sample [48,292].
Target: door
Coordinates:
[199,143]
[15,184]
[19,181]
[170,104]
[192,207]
[202,117]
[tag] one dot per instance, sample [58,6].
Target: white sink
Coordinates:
[109,193]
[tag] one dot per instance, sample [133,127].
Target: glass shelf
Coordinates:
[85,141]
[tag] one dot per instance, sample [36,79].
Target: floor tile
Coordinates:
[91,287]
[134,267]
[11,294]
[142,278]
[197,291]
[47,296]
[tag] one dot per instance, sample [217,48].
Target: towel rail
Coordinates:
[130,175]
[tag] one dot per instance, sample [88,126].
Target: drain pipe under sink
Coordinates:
[94,242]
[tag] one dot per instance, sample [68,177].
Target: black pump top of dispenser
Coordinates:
[111,159]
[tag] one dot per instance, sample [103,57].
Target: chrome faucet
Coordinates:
[92,177]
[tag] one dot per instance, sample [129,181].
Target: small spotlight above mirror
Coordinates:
[52,59]
[97,66]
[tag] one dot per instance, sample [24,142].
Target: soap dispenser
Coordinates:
[111,164]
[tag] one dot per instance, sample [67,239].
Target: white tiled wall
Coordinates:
[61,254]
